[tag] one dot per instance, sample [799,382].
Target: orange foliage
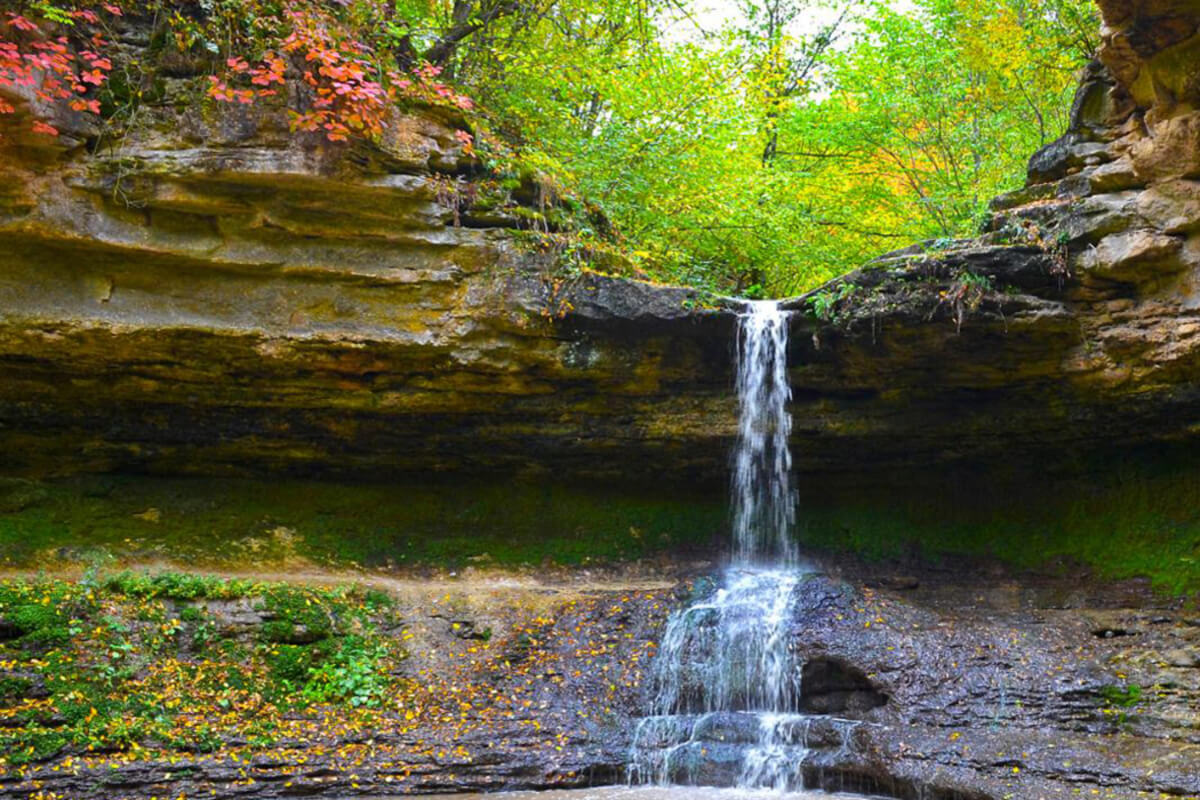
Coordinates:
[347,92]
[32,59]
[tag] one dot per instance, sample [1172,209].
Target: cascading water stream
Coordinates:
[726,683]
[764,508]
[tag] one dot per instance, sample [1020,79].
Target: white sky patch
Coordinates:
[698,19]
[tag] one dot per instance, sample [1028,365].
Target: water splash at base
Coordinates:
[727,684]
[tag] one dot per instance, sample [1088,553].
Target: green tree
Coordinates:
[776,153]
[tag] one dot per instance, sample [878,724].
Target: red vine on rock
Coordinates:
[49,67]
[348,93]
[344,90]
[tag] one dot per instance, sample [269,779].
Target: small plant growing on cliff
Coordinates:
[455,195]
[352,673]
[1056,247]
[965,295]
[1119,700]
[54,55]
[826,303]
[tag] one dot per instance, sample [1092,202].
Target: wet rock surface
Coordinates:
[978,684]
[999,687]
[982,684]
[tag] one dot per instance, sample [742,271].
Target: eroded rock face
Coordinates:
[1075,314]
[999,687]
[215,295]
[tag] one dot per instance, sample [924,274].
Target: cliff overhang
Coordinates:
[217,296]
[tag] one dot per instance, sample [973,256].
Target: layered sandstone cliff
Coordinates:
[211,294]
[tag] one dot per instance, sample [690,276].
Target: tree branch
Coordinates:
[465,24]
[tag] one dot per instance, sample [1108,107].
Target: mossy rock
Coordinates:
[286,632]
[17,495]
[36,625]
[15,687]
[297,616]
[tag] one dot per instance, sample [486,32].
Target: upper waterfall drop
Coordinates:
[727,693]
[763,500]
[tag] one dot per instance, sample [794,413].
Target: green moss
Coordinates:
[14,688]
[43,619]
[17,495]
[117,670]
[1141,519]
[289,665]
[36,746]
[221,523]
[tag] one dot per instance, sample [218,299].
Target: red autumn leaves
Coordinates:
[262,77]
[49,67]
[346,92]
[343,90]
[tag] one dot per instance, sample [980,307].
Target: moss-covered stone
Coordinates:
[229,523]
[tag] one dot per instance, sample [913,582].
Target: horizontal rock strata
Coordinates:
[213,295]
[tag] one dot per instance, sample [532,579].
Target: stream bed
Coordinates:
[655,793]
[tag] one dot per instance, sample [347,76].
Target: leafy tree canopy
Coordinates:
[761,147]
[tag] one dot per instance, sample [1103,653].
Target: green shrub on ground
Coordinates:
[119,671]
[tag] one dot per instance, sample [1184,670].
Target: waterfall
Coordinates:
[763,502]
[726,683]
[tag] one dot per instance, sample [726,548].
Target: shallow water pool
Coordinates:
[655,793]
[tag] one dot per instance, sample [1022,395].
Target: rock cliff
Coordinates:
[212,295]
[1076,313]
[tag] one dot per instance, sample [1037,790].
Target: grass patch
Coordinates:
[125,661]
[219,523]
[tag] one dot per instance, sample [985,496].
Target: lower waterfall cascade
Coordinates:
[726,707]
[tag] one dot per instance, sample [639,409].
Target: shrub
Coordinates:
[352,674]
[178,586]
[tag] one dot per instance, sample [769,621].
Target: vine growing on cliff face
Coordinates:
[346,89]
[347,78]
[964,296]
[54,55]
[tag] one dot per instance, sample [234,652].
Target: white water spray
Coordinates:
[727,684]
[763,502]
